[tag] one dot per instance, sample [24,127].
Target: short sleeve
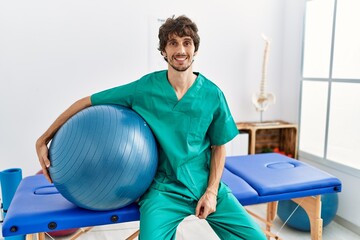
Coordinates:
[223,128]
[121,95]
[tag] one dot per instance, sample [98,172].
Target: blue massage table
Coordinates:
[37,207]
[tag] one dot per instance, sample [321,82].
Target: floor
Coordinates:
[194,229]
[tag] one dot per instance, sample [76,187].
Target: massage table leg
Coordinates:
[271,211]
[312,206]
[268,221]
[38,236]
[134,235]
[80,232]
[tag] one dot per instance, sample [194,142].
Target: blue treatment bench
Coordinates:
[37,207]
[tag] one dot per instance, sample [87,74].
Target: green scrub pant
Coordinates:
[162,212]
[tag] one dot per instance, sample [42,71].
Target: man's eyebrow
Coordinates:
[188,38]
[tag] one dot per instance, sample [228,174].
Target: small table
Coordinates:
[267,136]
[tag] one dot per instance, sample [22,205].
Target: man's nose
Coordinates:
[181,49]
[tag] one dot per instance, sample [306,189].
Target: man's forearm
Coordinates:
[217,163]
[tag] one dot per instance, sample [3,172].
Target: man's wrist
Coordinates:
[212,191]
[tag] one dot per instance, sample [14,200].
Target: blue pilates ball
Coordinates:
[103,158]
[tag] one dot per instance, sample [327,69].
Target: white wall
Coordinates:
[291,59]
[55,52]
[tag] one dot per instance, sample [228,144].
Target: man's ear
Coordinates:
[163,53]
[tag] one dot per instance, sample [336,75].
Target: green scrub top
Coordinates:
[185,129]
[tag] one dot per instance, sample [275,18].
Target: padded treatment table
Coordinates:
[276,177]
[37,206]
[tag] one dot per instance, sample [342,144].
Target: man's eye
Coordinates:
[187,43]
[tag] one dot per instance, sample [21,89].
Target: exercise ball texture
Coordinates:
[103,158]
[300,220]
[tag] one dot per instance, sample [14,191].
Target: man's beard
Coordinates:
[181,69]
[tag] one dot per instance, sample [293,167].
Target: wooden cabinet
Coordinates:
[272,135]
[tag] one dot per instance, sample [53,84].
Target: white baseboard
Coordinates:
[348,225]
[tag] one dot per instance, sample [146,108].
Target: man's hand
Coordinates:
[42,152]
[206,205]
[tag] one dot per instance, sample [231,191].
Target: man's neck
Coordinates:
[181,81]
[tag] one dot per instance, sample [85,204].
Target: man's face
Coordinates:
[180,52]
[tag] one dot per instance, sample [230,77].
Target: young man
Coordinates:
[191,121]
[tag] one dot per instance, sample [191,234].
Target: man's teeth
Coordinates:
[180,58]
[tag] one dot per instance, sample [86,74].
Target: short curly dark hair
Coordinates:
[181,26]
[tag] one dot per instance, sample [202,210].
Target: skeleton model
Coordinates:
[263,99]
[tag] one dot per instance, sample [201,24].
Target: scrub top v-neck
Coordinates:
[185,129]
[171,96]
